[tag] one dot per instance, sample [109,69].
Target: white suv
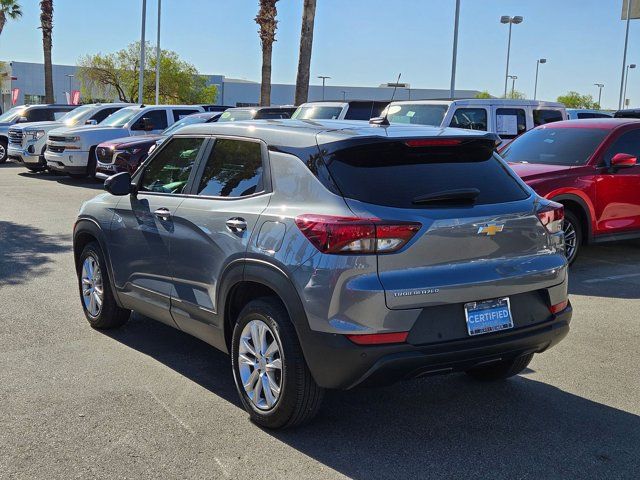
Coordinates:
[72,150]
[28,141]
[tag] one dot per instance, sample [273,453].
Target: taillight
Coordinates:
[332,234]
[558,307]
[379,338]
[552,216]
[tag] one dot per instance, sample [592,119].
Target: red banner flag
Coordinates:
[14,95]
[75,97]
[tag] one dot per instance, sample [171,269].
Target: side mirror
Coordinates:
[623,160]
[119,184]
[22,120]
[91,122]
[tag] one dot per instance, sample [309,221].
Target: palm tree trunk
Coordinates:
[266,20]
[3,20]
[265,86]
[46,22]
[306,43]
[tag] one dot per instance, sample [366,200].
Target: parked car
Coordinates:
[24,114]
[589,166]
[507,118]
[580,113]
[215,108]
[346,110]
[28,141]
[72,150]
[628,113]
[256,113]
[126,154]
[261,239]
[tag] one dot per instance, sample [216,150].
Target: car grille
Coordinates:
[55,148]
[55,138]
[104,155]
[15,137]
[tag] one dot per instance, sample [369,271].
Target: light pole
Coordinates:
[70,76]
[624,55]
[323,77]
[511,21]
[455,52]
[600,87]
[158,56]
[626,80]
[513,83]
[535,88]
[344,96]
[142,45]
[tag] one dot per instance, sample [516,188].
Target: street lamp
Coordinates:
[600,87]
[323,77]
[344,95]
[535,88]
[513,83]
[511,21]
[626,80]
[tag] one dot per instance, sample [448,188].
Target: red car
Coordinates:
[589,166]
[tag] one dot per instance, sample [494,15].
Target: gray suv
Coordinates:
[329,255]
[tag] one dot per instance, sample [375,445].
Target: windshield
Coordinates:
[235,115]
[417,114]
[317,113]
[181,123]
[12,115]
[555,146]
[119,118]
[73,117]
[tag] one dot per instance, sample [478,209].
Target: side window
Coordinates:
[628,142]
[359,111]
[540,117]
[510,122]
[234,169]
[470,118]
[593,115]
[179,114]
[104,113]
[39,115]
[158,118]
[59,113]
[169,171]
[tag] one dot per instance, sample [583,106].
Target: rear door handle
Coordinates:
[163,213]
[237,224]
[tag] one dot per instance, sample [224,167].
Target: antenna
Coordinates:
[384,120]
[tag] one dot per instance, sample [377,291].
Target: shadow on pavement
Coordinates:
[439,427]
[25,251]
[64,180]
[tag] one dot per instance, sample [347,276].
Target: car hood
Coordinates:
[38,125]
[535,171]
[92,135]
[127,142]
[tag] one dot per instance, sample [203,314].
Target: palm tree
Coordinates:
[266,19]
[9,9]
[46,24]
[306,42]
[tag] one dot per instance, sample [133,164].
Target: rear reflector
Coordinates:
[433,142]
[379,338]
[552,216]
[352,235]
[558,307]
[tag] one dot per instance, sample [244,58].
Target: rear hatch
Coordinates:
[480,237]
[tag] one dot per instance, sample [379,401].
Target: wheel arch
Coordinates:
[582,208]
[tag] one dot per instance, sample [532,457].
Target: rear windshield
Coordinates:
[395,175]
[417,114]
[317,113]
[555,146]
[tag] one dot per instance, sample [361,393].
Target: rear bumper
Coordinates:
[336,362]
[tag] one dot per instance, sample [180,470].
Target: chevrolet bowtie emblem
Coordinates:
[490,229]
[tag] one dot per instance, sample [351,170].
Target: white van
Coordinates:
[507,118]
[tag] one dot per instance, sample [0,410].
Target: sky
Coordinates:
[362,42]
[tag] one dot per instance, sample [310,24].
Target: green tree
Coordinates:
[575,100]
[484,94]
[46,24]
[116,75]
[9,9]
[515,95]
[266,19]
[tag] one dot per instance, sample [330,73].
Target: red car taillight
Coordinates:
[558,307]
[331,234]
[552,216]
[379,338]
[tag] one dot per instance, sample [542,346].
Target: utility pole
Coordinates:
[323,77]
[455,53]
[158,56]
[142,45]
[624,56]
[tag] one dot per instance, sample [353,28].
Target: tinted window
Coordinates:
[317,112]
[592,115]
[179,114]
[236,115]
[540,117]
[627,143]
[359,111]
[104,113]
[510,122]
[555,146]
[234,169]
[418,114]
[394,174]
[169,171]
[266,114]
[470,118]
[39,115]
[158,119]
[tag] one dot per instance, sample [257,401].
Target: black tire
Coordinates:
[501,370]
[91,163]
[300,396]
[571,221]
[3,150]
[110,314]
[35,168]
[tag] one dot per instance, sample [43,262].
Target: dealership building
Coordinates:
[28,79]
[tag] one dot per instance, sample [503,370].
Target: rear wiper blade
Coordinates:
[460,195]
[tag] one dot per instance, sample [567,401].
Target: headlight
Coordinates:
[33,135]
[72,139]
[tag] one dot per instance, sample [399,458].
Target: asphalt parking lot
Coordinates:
[147,401]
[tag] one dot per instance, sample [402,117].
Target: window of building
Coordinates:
[31,99]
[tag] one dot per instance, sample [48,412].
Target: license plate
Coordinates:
[488,316]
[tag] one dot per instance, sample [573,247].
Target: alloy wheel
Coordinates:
[3,151]
[260,364]
[570,239]
[92,287]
